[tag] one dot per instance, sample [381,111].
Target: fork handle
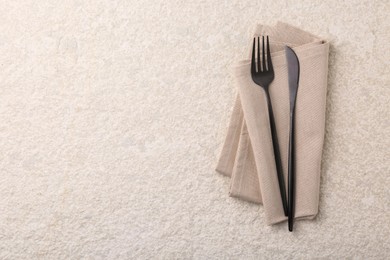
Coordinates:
[278,160]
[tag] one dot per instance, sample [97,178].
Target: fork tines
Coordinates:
[261,63]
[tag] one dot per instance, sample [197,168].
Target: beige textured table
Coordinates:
[112,115]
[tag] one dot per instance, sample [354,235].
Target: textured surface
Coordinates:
[113,113]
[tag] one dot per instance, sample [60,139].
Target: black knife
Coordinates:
[293,81]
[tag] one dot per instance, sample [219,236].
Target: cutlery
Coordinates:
[293,82]
[263,77]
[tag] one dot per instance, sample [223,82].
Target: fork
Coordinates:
[263,77]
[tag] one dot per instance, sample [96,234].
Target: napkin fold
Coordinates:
[247,154]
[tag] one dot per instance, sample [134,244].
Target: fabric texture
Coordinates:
[247,154]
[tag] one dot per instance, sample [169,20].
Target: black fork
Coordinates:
[263,77]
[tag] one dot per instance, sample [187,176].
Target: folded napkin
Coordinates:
[247,154]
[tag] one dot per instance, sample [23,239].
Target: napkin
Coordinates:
[247,154]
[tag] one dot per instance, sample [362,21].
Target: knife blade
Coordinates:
[293,83]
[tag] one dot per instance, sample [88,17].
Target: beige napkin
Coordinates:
[247,154]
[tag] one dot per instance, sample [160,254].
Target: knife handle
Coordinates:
[291,174]
[278,160]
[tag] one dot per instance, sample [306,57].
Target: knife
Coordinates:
[293,82]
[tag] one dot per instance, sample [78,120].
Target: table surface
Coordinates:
[113,114]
